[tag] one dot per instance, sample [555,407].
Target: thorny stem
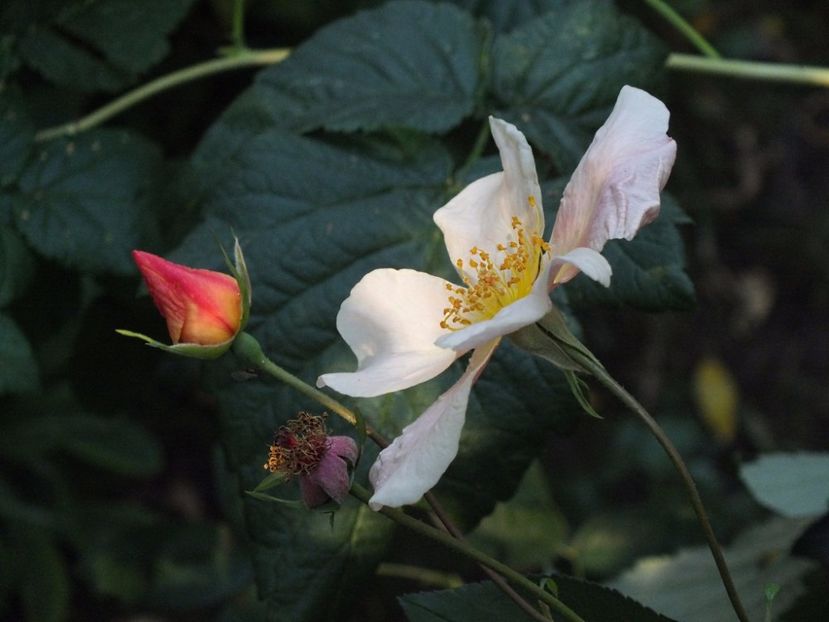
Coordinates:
[679,22]
[188,74]
[465,549]
[248,349]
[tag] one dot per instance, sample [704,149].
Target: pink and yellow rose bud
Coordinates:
[201,306]
[204,310]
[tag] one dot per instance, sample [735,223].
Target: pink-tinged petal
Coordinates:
[615,188]
[586,260]
[416,459]
[391,320]
[520,313]
[332,475]
[200,306]
[345,447]
[312,493]
[481,214]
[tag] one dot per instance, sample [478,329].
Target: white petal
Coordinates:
[391,320]
[416,459]
[615,188]
[591,262]
[520,313]
[481,214]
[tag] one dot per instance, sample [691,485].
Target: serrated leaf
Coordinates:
[16,265]
[687,586]
[101,45]
[19,371]
[407,64]
[557,77]
[484,602]
[16,136]
[795,485]
[82,201]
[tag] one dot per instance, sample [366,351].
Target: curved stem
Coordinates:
[248,349]
[465,549]
[679,22]
[690,486]
[188,74]
[750,70]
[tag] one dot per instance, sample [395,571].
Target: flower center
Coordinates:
[298,446]
[497,282]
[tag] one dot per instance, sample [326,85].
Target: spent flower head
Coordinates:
[302,449]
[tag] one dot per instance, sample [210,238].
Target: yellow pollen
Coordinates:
[490,285]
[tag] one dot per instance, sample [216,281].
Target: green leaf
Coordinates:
[687,586]
[795,485]
[16,136]
[507,14]
[527,530]
[558,76]
[484,602]
[407,64]
[16,266]
[84,201]
[45,581]
[19,371]
[117,445]
[101,45]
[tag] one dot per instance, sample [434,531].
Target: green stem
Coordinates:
[427,576]
[248,349]
[696,501]
[750,70]
[238,33]
[188,74]
[679,22]
[465,549]
[481,141]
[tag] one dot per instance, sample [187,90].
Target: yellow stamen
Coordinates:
[495,285]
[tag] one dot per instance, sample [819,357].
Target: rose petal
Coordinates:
[391,321]
[481,214]
[615,188]
[345,447]
[312,493]
[332,476]
[520,313]
[586,260]
[416,459]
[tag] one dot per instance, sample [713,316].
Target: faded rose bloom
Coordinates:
[303,449]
